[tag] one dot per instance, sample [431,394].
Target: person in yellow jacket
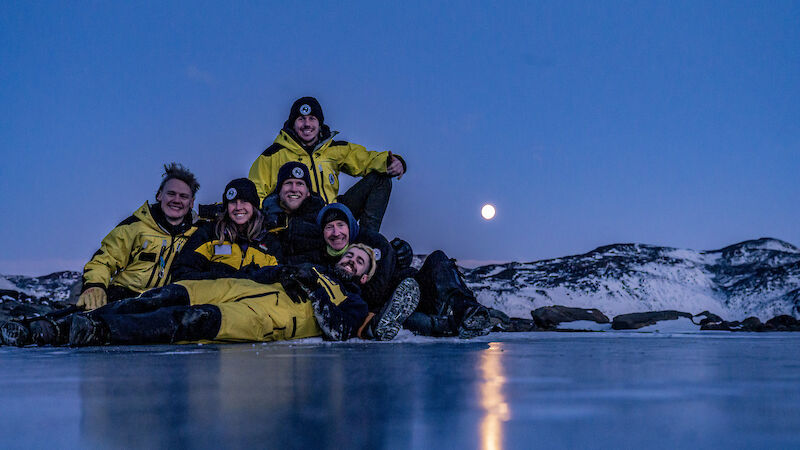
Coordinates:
[307,139]
[137,254]
[271,303]
[237,239]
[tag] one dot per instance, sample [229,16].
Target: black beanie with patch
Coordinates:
[292,169]
[305,106]
[241,188]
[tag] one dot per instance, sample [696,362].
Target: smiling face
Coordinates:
[307,129]
[176,200]
[336,234]
[355,262]
[292,193]
[240,211]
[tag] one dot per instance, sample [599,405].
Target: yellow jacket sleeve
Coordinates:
[114,254]
[261,175]
[357,161]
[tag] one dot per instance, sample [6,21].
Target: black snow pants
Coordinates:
[162,315]
[368,199]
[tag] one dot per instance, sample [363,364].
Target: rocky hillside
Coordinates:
[753,278]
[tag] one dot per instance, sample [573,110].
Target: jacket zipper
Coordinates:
[316,179]
[163,261]
[313,167]
[159,259]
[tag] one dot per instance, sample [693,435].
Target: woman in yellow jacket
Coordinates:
[235,240]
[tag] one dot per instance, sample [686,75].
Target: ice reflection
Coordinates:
[492,399]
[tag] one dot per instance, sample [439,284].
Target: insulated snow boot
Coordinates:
[36,331]
[476,322]
[443,289]
[430,325]
[403,302]
[86,331]
[15,333]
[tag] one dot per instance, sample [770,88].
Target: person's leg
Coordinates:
[49,329]
[368,199]
[444,293]
[169,295]
[430,325]
[162,326]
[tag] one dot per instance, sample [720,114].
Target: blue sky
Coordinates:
[585,123]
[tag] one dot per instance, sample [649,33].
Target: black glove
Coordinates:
[298,281]
[249,268]
[403,255]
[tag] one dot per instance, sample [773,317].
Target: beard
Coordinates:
[344,275]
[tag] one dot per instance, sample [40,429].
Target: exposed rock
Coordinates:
[784,323]
[548,317]
[501,322]
[634,321]
[708,318]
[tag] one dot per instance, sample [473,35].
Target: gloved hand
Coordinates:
[298,281]
[403,255]
[92,298]
[249,268]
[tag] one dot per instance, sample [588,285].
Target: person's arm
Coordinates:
[194,260]
[114,255]
[263,176]
[357,161]
[339,317]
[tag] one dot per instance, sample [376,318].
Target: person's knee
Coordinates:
[200,322]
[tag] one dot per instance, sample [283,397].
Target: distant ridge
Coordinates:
[759,277]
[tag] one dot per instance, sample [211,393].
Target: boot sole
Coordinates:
[403,302]
[15,333]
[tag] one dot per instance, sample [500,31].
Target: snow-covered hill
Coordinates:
[753,278]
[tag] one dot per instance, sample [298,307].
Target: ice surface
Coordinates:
[505,390]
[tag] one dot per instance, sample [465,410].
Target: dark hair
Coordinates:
[175,171]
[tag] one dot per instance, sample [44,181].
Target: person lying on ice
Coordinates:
[236,239]
[273,303]
[137,254]
[433,301]
[392,293]
[305,138]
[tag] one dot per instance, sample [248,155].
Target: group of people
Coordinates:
[282,256]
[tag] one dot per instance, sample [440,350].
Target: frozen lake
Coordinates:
[524,390]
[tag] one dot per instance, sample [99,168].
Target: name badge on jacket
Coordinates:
[224,249]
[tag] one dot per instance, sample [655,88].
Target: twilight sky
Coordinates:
[585,123]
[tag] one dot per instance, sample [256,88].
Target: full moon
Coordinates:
[488,211]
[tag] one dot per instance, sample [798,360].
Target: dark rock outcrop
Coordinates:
[634,321]
[548,317]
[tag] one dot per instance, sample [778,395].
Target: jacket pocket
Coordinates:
[149,257]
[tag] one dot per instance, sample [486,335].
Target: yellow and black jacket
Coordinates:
[137,254]
[325,161]
[205,257]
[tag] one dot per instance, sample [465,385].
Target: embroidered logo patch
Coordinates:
[331,178]
[297,172]
[305,110]
[377,253]
[231,194]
